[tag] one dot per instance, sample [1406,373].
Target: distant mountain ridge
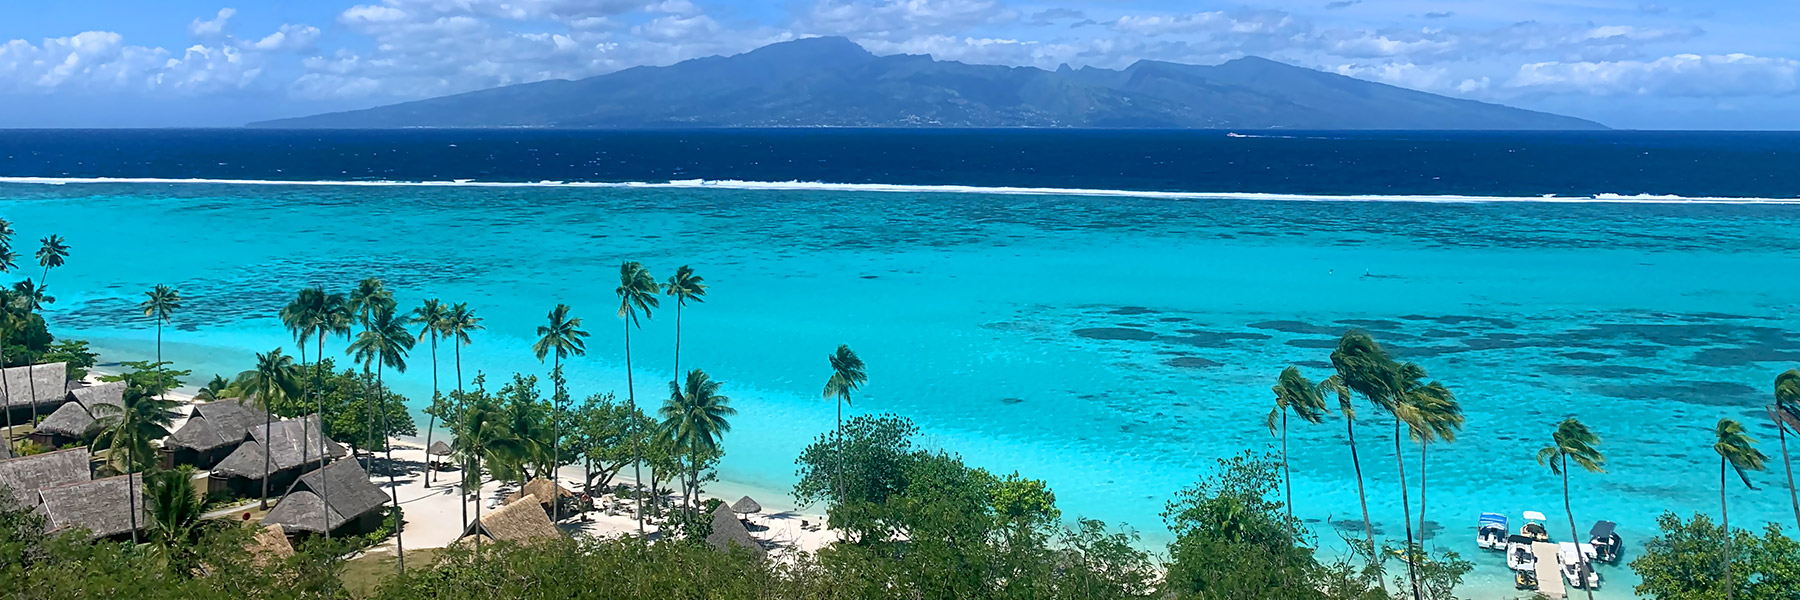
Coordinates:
[833,82]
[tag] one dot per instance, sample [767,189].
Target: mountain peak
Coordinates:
[812,47]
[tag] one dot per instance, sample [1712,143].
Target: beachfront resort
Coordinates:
[306,475]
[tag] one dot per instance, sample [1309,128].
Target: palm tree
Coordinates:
[430,317]
[9,321]
[684,286]
[696,416]
[1335,384]
[1364,367]
[215,390]
[458,323]
[1573,442]
[1431,413]
[482,430]
[315,312]
[847,375]
[1293,393]
[385,342]
[271,381]
[175,507]
[51,255]
[637,294]
[561,338]
[140,417]
[30,298]
[159,304]
[1786,413]
[1737,450]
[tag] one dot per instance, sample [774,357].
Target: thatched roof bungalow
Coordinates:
[354,503]
[519,522]
[541,491]
[293,448]
[212,433]
[728,532]
[270,544]
[102,507]
[76,419]
[45,386]
[25,475]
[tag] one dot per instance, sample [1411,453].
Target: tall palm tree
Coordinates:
[1364,367]
[1431,413]
[8,322]
[482,430]
[458,323]
[637,295]
[1786,412]
[1737,450]
[848,374]
[1295,394]
[683,286]
[1573,442]
[272,381]
[316,312]
[30,298]
[385,342]
[560,338]
[430,317]
[696,415]
[158,304]
[51,255]
[141,416]
[1335,385]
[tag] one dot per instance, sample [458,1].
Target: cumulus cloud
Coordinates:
[206,29]
[1678,75]
[892,19]
[101,62]
[297,38]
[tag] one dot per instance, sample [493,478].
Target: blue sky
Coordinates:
[1669,64]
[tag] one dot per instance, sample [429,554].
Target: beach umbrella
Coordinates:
[746,506]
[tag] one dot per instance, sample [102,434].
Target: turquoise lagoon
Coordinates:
[1114,346]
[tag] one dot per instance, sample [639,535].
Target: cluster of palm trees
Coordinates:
[19,305]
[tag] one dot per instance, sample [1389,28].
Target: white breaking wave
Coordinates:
[800,186]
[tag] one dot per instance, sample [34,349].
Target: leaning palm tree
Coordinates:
[1293,393]
[317,313]
[1365,368]
[481,431]
[430,317]
[1335,385]
[1786,413]
[271,382]
[51,255]
[1737,450]
[684,286]
[637,294]
[159,304]
[1573,442]
[128,428]
[561,338]
[847,375]
[696,415]
[385,341]
[1431,413]
[458,323]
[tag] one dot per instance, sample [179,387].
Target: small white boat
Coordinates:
[1604,542]
[1518,554]
[1578,573]
[1491,532]
[1534,526]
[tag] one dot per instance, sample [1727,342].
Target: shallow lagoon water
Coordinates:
[1112,346]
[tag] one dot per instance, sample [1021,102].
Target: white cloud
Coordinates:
[1678,75]
[897,19]
[290,37]
[677,29]
[207,29]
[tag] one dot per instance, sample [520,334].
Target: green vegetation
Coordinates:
[1683,562]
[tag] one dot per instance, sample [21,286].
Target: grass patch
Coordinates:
[364,573]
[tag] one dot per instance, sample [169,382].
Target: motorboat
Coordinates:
[1604,542]
[1519,556]
[1534,526]
[1578,573]
[1491,532]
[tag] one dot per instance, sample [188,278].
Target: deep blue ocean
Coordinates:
[1105,310]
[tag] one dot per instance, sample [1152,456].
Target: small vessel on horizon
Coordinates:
[1491,531]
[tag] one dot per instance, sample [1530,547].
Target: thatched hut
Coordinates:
[76,420]
[746,506]
[438,455]
[519,522]
[293,449]
[25,475]
[270,544]
[540,491]
[728,531]
[211,433]
[102,507]
[354,503]
[45,385]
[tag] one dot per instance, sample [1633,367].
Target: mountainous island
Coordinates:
[833,82]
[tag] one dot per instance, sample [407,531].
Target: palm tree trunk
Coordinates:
[465,474]
[1363,498]
[477,475]
[678,342]
[431,424]
[837,475]
[393,488]
[1422,530]
[31,379]
[1406,507]
[1789,467]
[556,440]
[6,386]
[637,457]
[1726,515]
[1287,476]
[1581,565]
[319,397]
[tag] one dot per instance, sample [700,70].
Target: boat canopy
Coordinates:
[1532,515]
[1520,539]
[1496,518]
[1603,529]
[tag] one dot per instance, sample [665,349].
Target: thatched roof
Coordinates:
[746,506]
[728,531]
[76,418]
[216,425]
[101,506]
[49,383]
[70,420]
[439,448]
[26,475]
[521,522]
[351,493]
[540,488]
[291,450]
[105,392]
[268,545]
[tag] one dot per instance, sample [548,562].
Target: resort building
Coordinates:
[58,485]
[352,504]
[728,531]
[74,422]
[291,447]
[519,522]
[44,386]
[211,433]
[541,491]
